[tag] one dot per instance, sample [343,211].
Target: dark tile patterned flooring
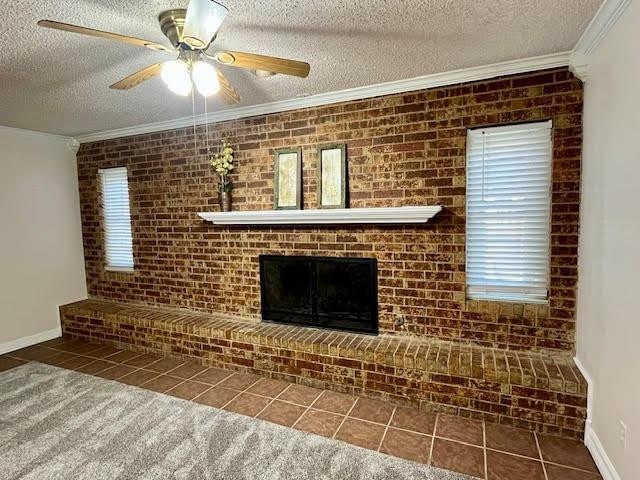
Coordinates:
[484,450]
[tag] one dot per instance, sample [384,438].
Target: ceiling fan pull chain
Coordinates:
[193,116]
[206,126]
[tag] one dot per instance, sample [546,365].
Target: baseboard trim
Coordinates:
[19,343]
[589,381]
[607,470]
[591,440]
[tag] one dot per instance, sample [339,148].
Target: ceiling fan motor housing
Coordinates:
[172,25]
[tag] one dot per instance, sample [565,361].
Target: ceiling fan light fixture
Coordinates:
[205,77]
[202,22]
[175,73]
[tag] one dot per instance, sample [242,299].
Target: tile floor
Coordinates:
[484,450]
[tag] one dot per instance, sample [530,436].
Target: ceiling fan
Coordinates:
[191,33]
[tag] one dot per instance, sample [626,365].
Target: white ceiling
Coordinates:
[57,82]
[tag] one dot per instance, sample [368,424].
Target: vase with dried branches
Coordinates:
[222,162]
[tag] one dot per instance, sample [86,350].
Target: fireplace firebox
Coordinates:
[324,292]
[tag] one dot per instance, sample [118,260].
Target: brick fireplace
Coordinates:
[403,149]
[406,149]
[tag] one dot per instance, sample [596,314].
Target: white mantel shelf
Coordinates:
[327,216]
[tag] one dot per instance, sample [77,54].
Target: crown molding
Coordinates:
[33,133]
[418,83]
[604,19]
[577,60]
[73,145]
[579,66]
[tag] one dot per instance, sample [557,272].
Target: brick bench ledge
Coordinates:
[525,389]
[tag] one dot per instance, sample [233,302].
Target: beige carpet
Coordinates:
[60,424]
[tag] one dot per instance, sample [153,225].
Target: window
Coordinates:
[117,219]
[508,212]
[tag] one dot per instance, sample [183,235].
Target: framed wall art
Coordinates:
[287,187]
[332,176]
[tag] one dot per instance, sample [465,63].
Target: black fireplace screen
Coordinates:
[326,292]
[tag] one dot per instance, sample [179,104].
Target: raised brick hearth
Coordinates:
[526,389]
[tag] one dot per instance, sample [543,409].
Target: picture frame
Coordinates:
[332,176]
[287,185]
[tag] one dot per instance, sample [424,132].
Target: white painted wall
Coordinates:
[609,263]
[41,256]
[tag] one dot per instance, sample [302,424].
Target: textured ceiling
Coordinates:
[58,82]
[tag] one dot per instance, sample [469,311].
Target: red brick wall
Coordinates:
[404,149]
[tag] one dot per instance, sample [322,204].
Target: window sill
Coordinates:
[119,269]
[507,299]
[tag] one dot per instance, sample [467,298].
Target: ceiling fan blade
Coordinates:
[228,94]
[137,78]
[262,62]
[202,22]
[102,34]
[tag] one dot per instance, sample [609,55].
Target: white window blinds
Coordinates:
[116,219]
[508,212]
